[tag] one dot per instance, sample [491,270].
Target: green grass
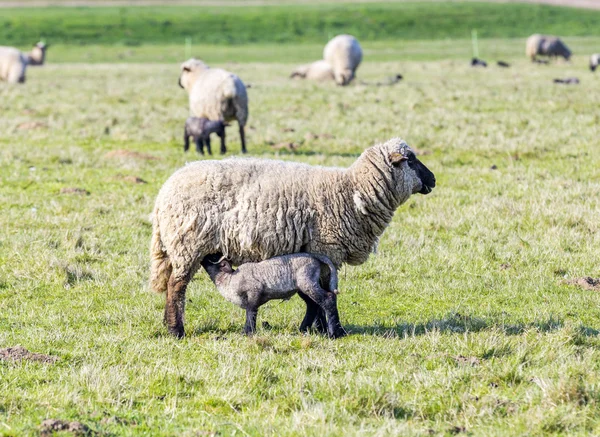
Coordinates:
[461,321]
[311,23]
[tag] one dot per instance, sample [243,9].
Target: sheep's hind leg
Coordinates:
[242,138]
[250,327]
[175,305]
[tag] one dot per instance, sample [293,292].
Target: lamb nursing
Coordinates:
[313,277]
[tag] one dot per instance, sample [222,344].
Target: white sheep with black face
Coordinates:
[546,45]
[13,62]
[254,209]
[215,94]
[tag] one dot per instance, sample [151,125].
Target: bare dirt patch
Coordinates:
[74,190]
[469,361]
[121,153]
[50,426]
[586,282]
[32,125]
[132,179]
[19,353]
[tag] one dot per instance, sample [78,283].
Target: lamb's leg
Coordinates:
[175,306]
[186,141]
[208,145]
[250,327]
[328,302]
[242,138]
[200,145]
[312,310]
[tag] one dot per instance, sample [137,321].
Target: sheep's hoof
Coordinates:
[338,333]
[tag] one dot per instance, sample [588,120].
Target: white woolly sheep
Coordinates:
[255,209]
[545,45]
[344,54]
[13,62]
[215,94]
[319,71]
[594,61]
[313,277]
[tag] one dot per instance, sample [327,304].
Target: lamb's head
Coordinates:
[215,264]
[407,170]
[190,70]
[344,77]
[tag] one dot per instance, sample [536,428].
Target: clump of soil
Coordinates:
[50,426]
[74,190]
[31,125]
[586,282]
[286,146]
[19,353]
[134,180]
[473,361]
[121,153]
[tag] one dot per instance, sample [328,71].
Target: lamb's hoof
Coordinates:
[338,333]
[177,332]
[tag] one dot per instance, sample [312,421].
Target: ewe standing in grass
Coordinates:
[254,284]
[344,54]
[13,62]
[545,45]
[255,209]
[215,94]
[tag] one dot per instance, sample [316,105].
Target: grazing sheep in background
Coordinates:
[344,54]
[319,70]
[475,62]
[594,61]
[568,81]
[254,284]
[215,94]
[545,45]
[255,209]
[13,62]
[200,129]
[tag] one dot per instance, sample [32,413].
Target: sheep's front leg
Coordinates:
[251,314]
[208,145]
[175,305]
[186,141]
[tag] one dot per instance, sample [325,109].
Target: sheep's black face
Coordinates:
[423,173]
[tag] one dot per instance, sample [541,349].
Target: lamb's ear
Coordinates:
[188,69]
[397,158]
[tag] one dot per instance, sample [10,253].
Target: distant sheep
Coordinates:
[476,62]
[255,209]
[344,54]
[319,71]
[313,277]
[215,94]
[567,81]
[594,61]
[13,62]
[545,45]
[200,129]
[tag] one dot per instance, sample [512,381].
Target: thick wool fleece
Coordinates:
[546,45]
[344,54]
[13,64]
[214,93]
[255,209]
[319,71]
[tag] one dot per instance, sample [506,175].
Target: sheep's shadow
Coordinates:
[459,323]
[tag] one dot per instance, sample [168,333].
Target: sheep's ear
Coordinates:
[186,69]
[397,158]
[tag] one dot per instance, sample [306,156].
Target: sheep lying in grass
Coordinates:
[255,209]
[319,71]
[200,129]
[254,284]
[594,61]
[215,94]
[545,45]
[13,62]
[344,54]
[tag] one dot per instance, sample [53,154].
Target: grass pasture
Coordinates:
[462,324]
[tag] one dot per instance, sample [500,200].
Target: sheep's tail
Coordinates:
[160,267]
[333,276]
